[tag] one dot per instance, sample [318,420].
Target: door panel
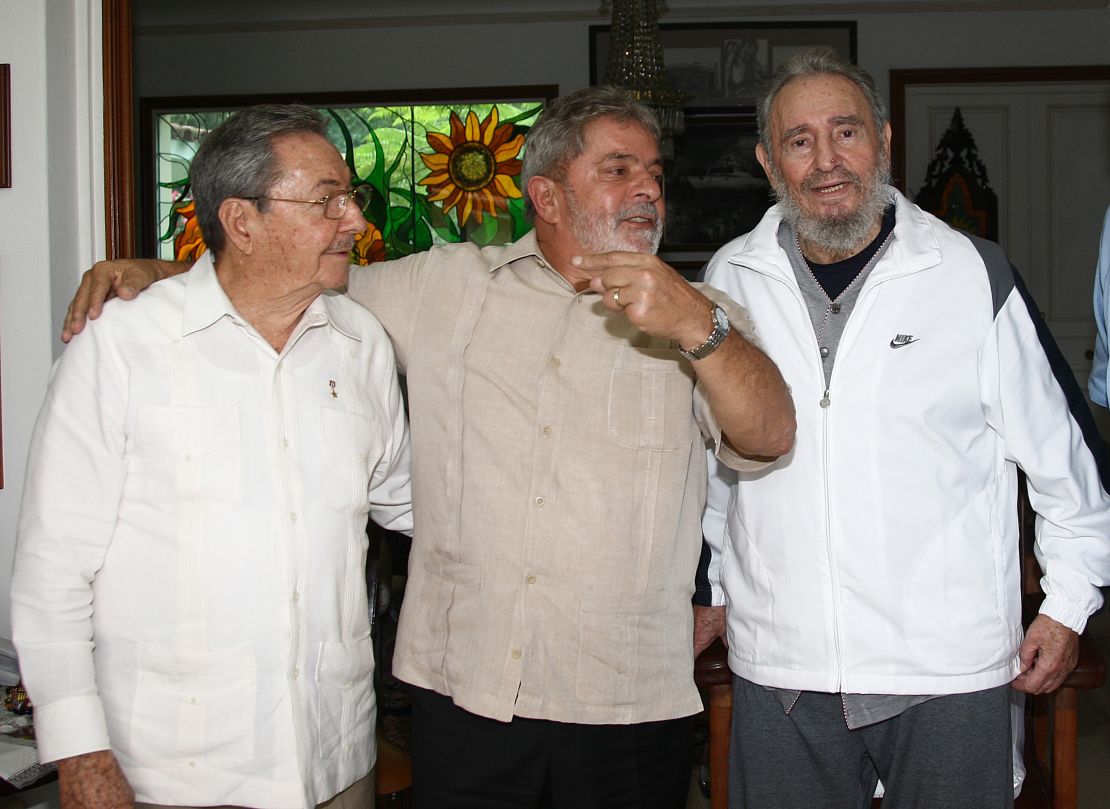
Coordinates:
[1046,148]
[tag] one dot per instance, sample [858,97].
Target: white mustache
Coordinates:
[819,177]
[644,209]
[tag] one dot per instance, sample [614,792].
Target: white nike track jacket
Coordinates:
[881,554]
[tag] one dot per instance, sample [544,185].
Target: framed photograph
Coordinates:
[715,189]
[721,66]
[5,126]
[5,168]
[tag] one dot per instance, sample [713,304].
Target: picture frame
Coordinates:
[715,189]
[5,171]
[720,67]
[5,127]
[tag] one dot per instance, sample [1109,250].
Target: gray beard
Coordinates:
[845,234]
[600,236]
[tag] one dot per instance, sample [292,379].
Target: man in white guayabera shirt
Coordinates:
[189,597]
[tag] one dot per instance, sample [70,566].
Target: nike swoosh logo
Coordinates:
[903,344]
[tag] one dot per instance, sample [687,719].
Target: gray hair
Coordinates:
[559,136]
[821,61]
[237,159]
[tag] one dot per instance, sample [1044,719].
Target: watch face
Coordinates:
[721,317]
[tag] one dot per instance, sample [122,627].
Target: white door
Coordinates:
[1046,148]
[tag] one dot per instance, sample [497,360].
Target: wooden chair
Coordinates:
[1051,723]
[1051,737]
[712,675]
[393,776]
[1051,731]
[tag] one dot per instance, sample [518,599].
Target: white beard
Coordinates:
[599,236]
[845,233]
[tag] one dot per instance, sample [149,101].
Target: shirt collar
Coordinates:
[206,303]
[205,300]
[524,247]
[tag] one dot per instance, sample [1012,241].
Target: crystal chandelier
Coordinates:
[635,64]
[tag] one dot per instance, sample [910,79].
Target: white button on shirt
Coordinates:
[185,479]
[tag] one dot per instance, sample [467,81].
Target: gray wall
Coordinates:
[555,51]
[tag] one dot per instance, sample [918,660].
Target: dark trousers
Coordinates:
[463,761]
[953,751]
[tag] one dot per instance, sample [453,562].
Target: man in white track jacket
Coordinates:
[871,575]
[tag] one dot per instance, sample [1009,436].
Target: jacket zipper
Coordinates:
[834,577]
[824,403]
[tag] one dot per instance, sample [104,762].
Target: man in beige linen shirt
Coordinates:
[562,391]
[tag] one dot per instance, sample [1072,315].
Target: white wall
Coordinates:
[363,59]
[981,39]
[24,262]
[51,219]
[49,225]
[545,52]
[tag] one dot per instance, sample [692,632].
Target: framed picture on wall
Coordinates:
[715,189]
[5,170]
[5,127]
[721,66]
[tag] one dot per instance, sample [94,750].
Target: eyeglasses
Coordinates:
[335,205]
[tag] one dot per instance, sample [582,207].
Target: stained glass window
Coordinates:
[438,173]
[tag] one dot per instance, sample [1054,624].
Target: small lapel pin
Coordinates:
[331,384]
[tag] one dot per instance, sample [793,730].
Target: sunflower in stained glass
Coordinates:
[369,246]
[472,169]
[189,244]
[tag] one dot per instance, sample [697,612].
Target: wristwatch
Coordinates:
[715,338]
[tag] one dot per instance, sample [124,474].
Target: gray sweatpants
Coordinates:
[952,751]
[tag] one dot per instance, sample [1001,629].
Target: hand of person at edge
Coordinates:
[709,623]
[123,278]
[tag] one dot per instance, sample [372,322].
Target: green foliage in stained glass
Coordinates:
[438,173]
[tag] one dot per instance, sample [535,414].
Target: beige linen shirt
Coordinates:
[559,469]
